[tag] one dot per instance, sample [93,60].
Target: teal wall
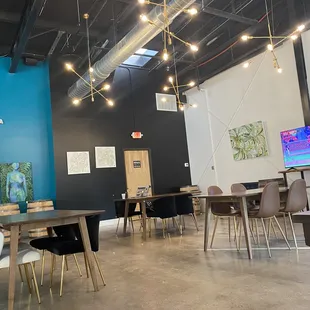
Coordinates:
[26,135]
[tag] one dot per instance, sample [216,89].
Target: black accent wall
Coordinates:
[83,127]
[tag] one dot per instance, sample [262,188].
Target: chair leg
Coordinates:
[21,274]
[235,230]
[66,261]
[132,226]
[266,237]
[28,278]
[251,231]
[293,231]
[99,268]
[273,229]
[183,219]
[117,226]
[52,269]
[42,268]
[150,227]
[35,283]
[62,274]
[77,265]
[86,265]
[155,223]
[163,225]
[257,232]
[215,225]
[282,233]
[229,237]
[285,225]
[175,223]
[240,230]
[195,220]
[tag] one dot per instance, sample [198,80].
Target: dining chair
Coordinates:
[268,209]
[296,201]
[26,256]
[184,205]
[222,209]
[68,247]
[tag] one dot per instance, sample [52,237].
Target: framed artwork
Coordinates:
[105,157]
[16,182]
[78,162]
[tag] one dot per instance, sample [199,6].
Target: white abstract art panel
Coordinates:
[78,162]
[105,157]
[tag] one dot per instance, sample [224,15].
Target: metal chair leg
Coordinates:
[229,237]
[77,265]
[117,226]
[150,227]
[273,229]
[177,225]
[285,225]
[282,233]
[155,223]
[195,220]
[62,274]
[53,258]
[99,268]
[240,230]
[21,274]
[251,231]
[293,231]
[257,232]
[132,226]
[28,278]
[183,219]
[86,265]
[266,237]
[215,225]
[163,226]
[66,260]
[42,268]
[35,283]
[235,230]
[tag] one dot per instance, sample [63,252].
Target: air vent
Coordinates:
[165,102]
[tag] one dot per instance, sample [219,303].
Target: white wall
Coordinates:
[306,45]
[237,97]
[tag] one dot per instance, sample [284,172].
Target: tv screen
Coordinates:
[296,147]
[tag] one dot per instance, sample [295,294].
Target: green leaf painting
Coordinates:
[16,182]
[248,141]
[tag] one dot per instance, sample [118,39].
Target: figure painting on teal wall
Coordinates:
[16,182]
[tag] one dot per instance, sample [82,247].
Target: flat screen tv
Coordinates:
[296,147]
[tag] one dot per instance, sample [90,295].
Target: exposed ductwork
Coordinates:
[140,35]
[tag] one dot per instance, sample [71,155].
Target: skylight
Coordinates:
[141,57]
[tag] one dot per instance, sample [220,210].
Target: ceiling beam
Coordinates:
[28,19]
[231,16]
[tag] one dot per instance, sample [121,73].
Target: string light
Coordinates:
[110,102]
[170,79]
[192,11]
[245,38]
[165,55]
[106,86]
[68,66]
[144,18]
[194,48]
[270,47]
[76,101]
[91,69]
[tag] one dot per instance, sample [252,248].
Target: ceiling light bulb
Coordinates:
[68,66]
[164,99]
[191,83]
[194,48]
[246,65]
[280,70]
[141,1]
[93,80]
[76,101]
[195,105]
[165,55]
[91,69]
[192,11]
[110,103]
[143,18]
[270,47]
[301,28]
[182,107]
[106,86]
[294,37]
[170,79]
[245,38]
[165,88]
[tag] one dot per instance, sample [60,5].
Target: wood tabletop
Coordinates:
[301,217]
[248,193]
[153,197]
[37,217]
[298,169]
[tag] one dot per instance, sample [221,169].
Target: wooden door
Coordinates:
[138,172]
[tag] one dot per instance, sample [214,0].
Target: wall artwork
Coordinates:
[16,182]
[249,141]
[78,163]
[105,157]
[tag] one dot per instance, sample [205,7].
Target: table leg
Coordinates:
[207,224]
[125,217]
[12,271]
[50,231]
[245,220]
[88,251]
[144,220]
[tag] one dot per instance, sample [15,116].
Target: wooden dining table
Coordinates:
[49,219]
[241,198]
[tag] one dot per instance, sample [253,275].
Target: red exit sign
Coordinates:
[137,135]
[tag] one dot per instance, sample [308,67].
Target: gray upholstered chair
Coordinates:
[296,201]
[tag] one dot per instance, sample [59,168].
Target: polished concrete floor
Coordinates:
[175,273]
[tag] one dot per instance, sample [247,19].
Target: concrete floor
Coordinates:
[175,273]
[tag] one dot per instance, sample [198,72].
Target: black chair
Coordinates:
[163,208]
[120,212]
[63,233]
[184,205]
[69,247]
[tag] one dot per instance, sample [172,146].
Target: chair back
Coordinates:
[270,201]
[214,190]
[165,207]
[120,209]
[218,207]
[184,204]
[68,232]
[297,196]
[238,188]
[1,241]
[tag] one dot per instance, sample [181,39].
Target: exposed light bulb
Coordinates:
[164,99]
[106,86]
[165,88]
[294,37]
[141,1]
[143,18]
[191,83]
[170,79]
[270,47]
[280,70]
[245,37]
[93,80]
[192,11]
[246,65]
[182,107]
[76,101]
[165,55]
[301,28]
[194,48]
[91,69]
[195,105]
[68,66]
[110,103]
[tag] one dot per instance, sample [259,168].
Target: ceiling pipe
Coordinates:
[138,37]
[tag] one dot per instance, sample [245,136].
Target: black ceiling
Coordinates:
[110,20]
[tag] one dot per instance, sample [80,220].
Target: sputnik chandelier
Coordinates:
[167,34]
[93,90]
[272,38]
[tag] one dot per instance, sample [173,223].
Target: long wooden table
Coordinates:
[142,201]
[27,221]
[240,198]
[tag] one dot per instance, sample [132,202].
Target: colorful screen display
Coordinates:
[296,147]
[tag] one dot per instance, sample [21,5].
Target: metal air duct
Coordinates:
[138,37]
